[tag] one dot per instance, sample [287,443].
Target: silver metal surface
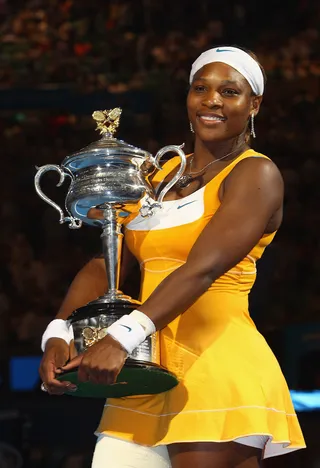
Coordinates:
[111,246]
[74,223]
[108,172]
[43,387]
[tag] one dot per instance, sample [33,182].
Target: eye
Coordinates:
[199,88]
[230,92]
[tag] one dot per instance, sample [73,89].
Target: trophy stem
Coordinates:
[112,238]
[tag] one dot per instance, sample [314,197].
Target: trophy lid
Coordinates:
[108,147]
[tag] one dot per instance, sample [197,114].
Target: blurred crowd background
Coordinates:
[63,59]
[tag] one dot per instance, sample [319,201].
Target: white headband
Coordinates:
[237,59]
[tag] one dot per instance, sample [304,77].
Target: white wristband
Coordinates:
[144,321]
[128,332]
[132,330]
[58,328]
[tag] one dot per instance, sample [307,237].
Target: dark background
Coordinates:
[60,61]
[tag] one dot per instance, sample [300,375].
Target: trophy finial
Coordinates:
[107,121]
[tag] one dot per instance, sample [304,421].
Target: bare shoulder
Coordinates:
[257,165]
[256,171]
[255,183]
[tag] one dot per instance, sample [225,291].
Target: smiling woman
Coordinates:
[198,259]
[226,92]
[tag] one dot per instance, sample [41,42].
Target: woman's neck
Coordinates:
[228,150]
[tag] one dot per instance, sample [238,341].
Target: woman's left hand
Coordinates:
[101,363]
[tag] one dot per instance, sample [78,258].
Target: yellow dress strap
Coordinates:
[174,162]
[249,153]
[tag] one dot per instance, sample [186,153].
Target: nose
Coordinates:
[212,100]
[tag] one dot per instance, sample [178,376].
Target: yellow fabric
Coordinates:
[231,385]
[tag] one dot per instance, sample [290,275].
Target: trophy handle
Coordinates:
[183,163]
[75,223]
[147,209]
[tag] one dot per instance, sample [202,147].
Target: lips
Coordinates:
[211,119]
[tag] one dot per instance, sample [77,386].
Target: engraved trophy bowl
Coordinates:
[109,180]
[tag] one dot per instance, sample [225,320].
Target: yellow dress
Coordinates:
[231,385]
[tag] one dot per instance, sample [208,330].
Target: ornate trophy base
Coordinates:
[140,375]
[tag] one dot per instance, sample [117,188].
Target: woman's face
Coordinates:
[220,102]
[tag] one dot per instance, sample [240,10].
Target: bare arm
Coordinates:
[252,195]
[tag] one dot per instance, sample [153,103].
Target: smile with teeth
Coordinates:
[210,118]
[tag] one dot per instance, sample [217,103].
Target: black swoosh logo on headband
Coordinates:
[224,50]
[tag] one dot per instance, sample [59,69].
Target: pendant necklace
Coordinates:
[186,179]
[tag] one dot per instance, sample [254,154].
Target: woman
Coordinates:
[232,406]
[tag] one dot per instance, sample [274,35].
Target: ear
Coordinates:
[255,104]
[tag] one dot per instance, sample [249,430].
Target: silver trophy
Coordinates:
[109,181]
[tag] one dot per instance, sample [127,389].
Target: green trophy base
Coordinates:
[141,378]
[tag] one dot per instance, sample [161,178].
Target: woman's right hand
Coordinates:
[56,354]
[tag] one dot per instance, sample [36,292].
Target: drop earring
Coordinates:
[191,128]
[252,131]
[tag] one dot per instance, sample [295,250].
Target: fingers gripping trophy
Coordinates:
[109,181]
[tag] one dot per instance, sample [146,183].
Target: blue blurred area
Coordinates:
[306,401]
[24,375]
